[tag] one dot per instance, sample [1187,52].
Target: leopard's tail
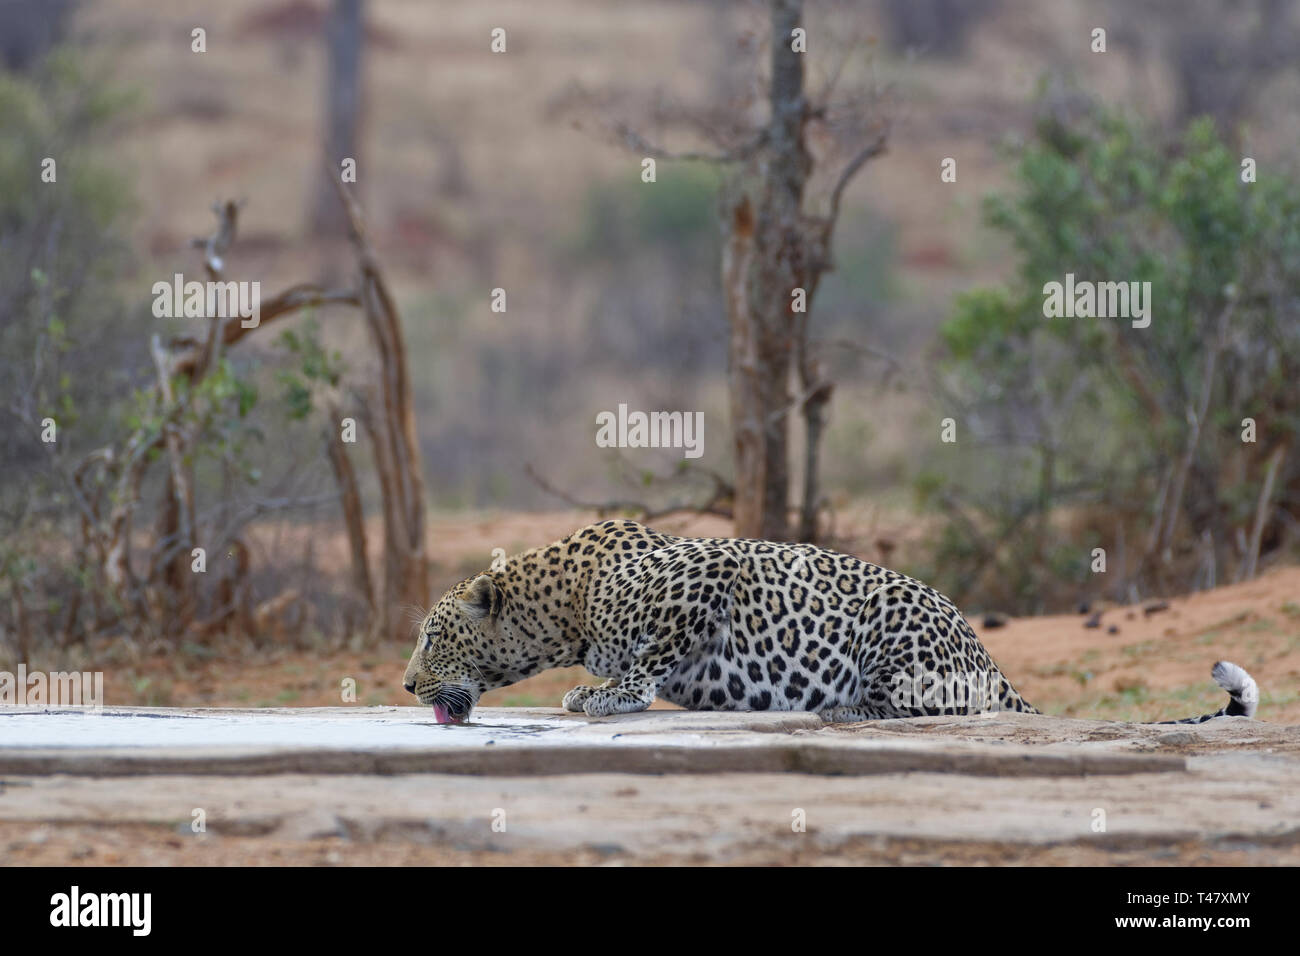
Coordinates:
[1243,694]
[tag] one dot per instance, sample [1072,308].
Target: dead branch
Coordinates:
[714,505]
[353,515]
[214,246]
[876,147]
[187,355]
[390,421]
[635,142]
[187,359]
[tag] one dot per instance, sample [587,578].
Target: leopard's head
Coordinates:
[459,652]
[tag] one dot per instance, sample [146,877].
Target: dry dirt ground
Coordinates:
[1004,789]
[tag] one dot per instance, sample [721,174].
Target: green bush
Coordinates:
[1071,427]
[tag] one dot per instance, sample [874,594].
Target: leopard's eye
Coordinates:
[428,641]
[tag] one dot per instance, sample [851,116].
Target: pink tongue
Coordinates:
[441,714]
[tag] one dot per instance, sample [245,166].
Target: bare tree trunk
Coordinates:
[353,515]
[390,420]
[816,388]
[22,627]
[1174,504]
[773,255]
[345,36]
[91,556]
[744,379]
[177,530]
[68,627]
[763,263]
[772,248]
[815,408]
[1262,510]
[233,601]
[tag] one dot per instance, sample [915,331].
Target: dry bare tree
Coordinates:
[776,234]
[388,415]
[107,483]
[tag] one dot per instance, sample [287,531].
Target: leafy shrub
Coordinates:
[1073,431]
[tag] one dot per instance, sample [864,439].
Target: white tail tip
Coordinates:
[1241,687]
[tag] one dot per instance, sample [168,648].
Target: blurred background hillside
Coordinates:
[478,171]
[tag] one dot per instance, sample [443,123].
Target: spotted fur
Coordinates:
[709,624]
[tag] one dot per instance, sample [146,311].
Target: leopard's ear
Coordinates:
[482,598]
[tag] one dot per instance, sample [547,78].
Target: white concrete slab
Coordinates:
[533,741]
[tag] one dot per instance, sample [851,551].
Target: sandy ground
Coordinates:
[140,845]
[1226,793]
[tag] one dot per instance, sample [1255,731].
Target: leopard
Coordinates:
[721,624]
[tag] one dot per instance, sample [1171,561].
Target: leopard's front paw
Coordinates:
[575,698]
[614,700]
